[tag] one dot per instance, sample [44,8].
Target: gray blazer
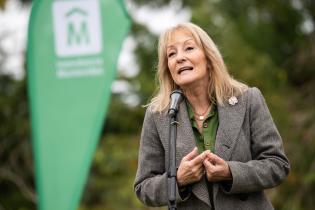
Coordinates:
[247,139]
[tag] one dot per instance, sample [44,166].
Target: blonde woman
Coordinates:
[228,148]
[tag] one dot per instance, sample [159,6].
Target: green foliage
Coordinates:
[1,4]
[119,119]
[111,180]
[16,165]
[110,184]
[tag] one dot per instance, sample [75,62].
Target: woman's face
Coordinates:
[186,60]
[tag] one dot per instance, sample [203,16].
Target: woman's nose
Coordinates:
[180,57]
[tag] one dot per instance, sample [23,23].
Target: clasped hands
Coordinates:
[194,165]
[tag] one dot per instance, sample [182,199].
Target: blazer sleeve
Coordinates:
[151,178]
[269,165]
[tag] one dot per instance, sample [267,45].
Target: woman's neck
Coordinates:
[198,98]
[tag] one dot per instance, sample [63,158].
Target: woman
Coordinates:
[228,148]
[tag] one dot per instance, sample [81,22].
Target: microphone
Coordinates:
[176,98]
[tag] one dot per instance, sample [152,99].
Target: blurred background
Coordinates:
[268,44]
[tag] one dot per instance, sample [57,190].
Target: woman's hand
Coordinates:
[191,168]
[216,168]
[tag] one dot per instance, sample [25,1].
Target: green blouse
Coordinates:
[206,139]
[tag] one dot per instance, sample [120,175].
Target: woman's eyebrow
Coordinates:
[188,40]
[173,45]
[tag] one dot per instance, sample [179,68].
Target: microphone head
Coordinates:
[176,99]
[176,92]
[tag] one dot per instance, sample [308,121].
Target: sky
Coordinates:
[13,35]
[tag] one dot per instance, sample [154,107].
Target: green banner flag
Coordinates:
[73,46]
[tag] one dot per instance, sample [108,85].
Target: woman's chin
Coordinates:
[189,81]
[185,83]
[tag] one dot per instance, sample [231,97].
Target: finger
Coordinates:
[208,166]
[199,159]
[192,154]
[200,172]
[194,169]
[208,170]
[214,159]
[206,163]
[200,168]
[206,153]
[210,154]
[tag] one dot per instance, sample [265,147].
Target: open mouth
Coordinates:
[185,68]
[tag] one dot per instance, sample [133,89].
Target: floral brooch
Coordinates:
[233,100]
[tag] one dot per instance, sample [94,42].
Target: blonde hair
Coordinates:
[221,86]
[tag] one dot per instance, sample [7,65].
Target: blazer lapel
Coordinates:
[231,118]
[185,136]
[185,144]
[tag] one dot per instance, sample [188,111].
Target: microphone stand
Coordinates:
[172,161]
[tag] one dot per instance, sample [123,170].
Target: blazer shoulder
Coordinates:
[253,94]
[252,91]
[256,100]
[150,114]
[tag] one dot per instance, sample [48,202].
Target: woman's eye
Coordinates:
[170,54]
[189,48]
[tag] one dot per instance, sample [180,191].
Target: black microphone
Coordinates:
[176,98]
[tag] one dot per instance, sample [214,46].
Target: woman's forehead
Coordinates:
[179,36]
